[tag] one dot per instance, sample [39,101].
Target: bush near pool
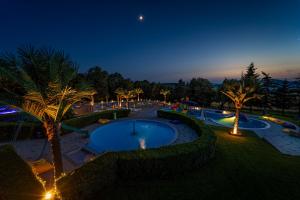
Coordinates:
[89,181]
[32,128]
[17,180]
[27,130]
[89,119]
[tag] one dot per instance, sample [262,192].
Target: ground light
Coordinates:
[48,195]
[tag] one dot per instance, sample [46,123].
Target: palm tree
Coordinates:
[138,91]
[120,94]
[92,103]
[165,92]
[239,95]
[44,77]
[128,95]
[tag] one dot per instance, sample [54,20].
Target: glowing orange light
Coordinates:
[48,195]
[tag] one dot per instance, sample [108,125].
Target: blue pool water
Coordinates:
[120,136]
[228,120]
[7,110]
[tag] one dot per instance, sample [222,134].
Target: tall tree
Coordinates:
[115,81]
[266,91]
[128,94]
[98,78]
[239,95]
[120,92]
[282,96]
[201,91]
[145,86]
[226,84]
[181,90]
[251,79]
[165,93]
[44,76]
[138,91]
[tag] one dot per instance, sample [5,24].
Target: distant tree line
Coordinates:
[275,94]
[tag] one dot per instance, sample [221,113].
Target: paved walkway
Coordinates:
[283,142]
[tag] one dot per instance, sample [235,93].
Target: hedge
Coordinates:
[31,127]
[17,179]
[89,119]
[27,130]
[89,181]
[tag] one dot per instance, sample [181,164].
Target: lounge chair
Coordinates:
[41,166]
[103,121]
[291,132]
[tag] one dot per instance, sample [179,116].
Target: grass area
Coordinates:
[244,168]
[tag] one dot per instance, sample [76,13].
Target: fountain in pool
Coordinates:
[130,135]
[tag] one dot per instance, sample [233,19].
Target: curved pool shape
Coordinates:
[131,135]
[228,120]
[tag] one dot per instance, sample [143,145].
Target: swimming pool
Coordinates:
[4,110]
[228,120]
[131,135]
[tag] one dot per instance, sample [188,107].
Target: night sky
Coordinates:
[176,39]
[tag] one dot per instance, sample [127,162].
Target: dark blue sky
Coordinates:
[178,39]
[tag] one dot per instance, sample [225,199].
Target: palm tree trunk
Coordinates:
[236,122]
[127,104]
[53,137]
[120,101]
[92,103]
[138,97]
[165,98]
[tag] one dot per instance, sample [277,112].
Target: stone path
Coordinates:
[283,142]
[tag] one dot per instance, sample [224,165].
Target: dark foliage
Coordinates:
[17,180]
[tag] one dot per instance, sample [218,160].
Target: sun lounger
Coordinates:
[291,132]
[41,166]
[103,121]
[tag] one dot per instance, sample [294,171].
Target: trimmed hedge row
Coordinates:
[9,124]
[89,119]
[16,178]
[89,181]
[28,130]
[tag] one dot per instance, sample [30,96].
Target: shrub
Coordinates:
[89,180]
[89,119]
[17,180]
[27,130]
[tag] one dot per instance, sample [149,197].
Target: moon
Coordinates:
[141,18]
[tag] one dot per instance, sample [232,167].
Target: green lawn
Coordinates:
[244,168]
